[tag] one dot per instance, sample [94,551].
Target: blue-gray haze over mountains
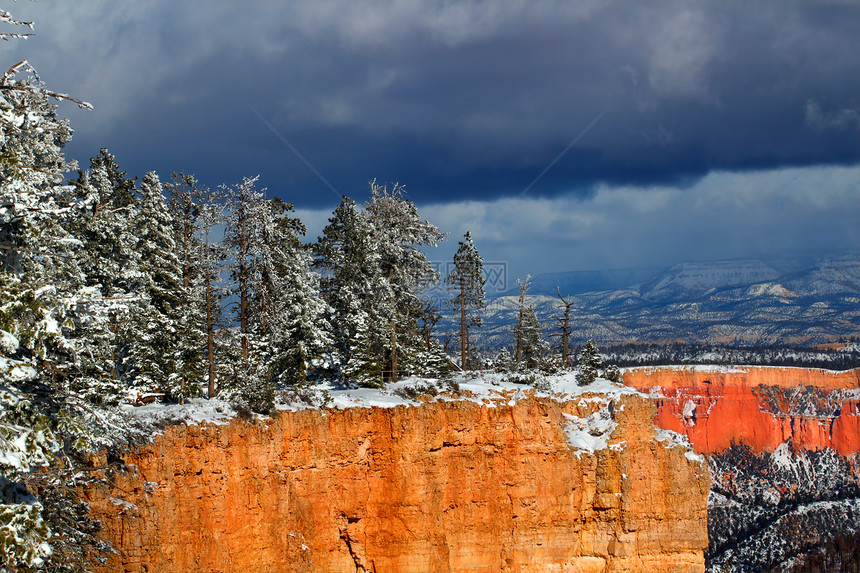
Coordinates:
[742,302]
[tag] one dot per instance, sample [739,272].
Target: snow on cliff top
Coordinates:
[714,369]
[708,368]
[194,411]
[487,388]
[484,388]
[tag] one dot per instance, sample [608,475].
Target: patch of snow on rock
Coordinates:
[591,433]
[8,342]
[672,439]
[195,411]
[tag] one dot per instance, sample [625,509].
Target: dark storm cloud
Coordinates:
[468,100]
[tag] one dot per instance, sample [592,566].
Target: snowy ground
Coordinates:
[195,411]
[484,388]
[487,388]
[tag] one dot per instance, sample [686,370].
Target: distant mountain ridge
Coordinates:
[733,302]
[580,282]
[690,280]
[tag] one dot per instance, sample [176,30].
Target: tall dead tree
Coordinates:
[564,326]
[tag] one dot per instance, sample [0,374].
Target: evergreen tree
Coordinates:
[301,340]
[244,203]
[106,202]
[110,263]
[184,205]
[589,364]
[399,232]
[612,373]
[207,293]
[533,347]
[154,359]
[467,280]
[186,198]
[436,363]
[504,362]
[40,282]
[360,297]
[288,314]
[282,320]
[518,330]
[31,311]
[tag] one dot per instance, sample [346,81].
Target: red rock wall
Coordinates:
[734,406]
[447,486]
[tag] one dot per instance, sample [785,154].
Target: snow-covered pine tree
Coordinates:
[154,361]
[247,381]
[359,295]
[39,280]
[504,362]
[105,203]
[294,323]
[533,346]
[612,373]
[589,364]
[186,198]
[282,319]
[467,281]
[207,291]
[273,237]
[399,232]
[518,330]
[437,364]
[243,202]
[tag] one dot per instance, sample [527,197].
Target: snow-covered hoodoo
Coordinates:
[511,482]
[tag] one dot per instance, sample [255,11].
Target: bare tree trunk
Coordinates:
[211,390]
[114,329]
[427,337]
[565,342]
[243,283]
[393,351]
[210,336]
[393,334]
[463,323]
[187,235]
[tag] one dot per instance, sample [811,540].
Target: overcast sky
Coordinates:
[565,135]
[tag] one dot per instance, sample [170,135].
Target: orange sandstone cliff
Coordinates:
[444,486]
[760,407]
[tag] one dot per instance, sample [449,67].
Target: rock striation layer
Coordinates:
[505,485]
[783,449]
[761,407]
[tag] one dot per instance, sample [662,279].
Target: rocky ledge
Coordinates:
[511,481]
